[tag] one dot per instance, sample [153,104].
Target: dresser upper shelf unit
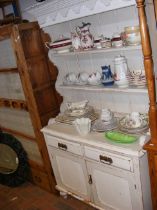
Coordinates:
[53,12]
[95,51]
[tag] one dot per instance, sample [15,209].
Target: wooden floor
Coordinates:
[31,197]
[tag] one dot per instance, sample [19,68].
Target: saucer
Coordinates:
[100,126]
[124,126]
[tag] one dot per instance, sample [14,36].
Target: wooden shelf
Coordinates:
[8,70]
[101,88]
[95,51]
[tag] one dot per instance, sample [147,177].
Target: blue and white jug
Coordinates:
[107,76]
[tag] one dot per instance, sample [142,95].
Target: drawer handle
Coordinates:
[105,160]
[62,146]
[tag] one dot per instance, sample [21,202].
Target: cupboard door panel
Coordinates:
[111,189]
[70,172]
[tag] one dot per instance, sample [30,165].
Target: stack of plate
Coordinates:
[124,126]
[137,80]
[69,116]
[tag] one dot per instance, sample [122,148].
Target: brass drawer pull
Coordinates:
[62,146]
[105,159]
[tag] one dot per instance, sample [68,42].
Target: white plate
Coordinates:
[78,112]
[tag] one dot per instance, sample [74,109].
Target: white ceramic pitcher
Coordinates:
[83,125]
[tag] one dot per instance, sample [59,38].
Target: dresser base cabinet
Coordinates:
[110,179]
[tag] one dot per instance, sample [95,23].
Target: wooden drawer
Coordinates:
[109,158]
[64,145]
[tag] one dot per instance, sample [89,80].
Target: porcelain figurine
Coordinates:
[76,42]
[107,76]
[86,38]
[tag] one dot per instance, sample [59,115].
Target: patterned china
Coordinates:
[137,78]
[101,126]
[107,76]
[133,123]
[132,35]
[83,77]
[106,43]
[106,115]
[86,38]
[117,40]
[97,43]
[94,78]
[79,112]
[61,45]
[76,105]
[70,78]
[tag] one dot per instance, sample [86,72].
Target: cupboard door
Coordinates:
[111,188]
[70,172]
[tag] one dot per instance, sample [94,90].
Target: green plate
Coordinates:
[120,137]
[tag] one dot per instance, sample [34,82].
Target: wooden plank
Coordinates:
[6,1]
[34,47]
[17,133]
[155,9]
[13,103]
[36,165]
[26,26]
[149,69]
[44,86]
[5,32]
[10,20]
[8,70]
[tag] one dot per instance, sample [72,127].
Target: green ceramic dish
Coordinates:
[120,137]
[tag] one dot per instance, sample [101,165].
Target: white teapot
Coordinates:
[121,71]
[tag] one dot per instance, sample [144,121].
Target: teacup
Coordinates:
[82,125]
[106,115]
[136,119]
[83,77]
[71,77]
[94,78]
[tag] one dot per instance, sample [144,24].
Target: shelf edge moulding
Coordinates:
[52,12]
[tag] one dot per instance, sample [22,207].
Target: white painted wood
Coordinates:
[71,146]
[94,139]
[124,100]
[96,51]
[112,188]
[119,186]
[117,160]
[101,88]
[53,12]
[70,172]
